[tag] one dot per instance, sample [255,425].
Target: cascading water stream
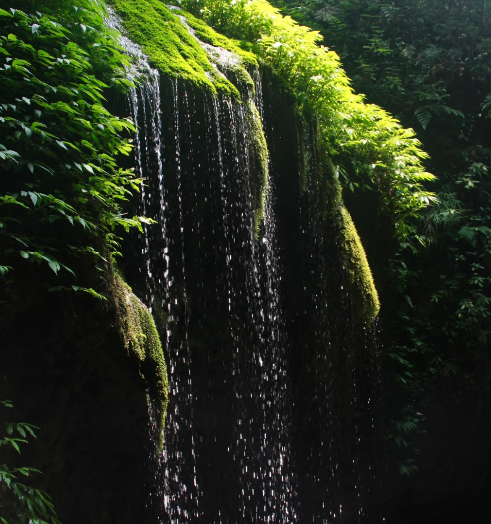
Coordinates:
[181,499]
[170,493]
[265,371]
[216,287]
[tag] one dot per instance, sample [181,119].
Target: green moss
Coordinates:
[355,263]
[353,257]
[141,339]
[258,162]
[243,78]
[170,46]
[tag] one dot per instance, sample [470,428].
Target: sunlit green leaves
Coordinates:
[382,152]
[59,145]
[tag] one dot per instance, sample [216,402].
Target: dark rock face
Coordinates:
[66,370]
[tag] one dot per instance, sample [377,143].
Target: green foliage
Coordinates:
[20,503]
[460,294]
[233,18]
[141,338]
[368,142]
[407,54]
[61,187]
[429,65]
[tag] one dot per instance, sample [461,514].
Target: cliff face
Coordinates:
[266,326]
[249,278]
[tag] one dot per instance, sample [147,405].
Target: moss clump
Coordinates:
[258,162]
[142,339]
[352,254]
[171,47]
[355,262]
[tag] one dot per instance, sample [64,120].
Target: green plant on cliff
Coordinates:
[20,503]
[61,187]
[371,145]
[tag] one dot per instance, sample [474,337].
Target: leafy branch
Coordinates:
[59,145]
[20,503]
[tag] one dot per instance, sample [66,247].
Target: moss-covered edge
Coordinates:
[258,160]
[356,264]
[352,253]
[140,336]
[172,49]
[206,34]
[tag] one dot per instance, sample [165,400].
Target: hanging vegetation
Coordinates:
[380,150]
[62,187]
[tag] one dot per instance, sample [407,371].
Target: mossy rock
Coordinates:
[171,47]
[352,254]
[206,34]
[141,339]
[355,263]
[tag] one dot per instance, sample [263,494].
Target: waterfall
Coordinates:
[255,315]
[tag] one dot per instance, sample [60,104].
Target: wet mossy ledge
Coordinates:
[258,158]
[141,339]
[173,38]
